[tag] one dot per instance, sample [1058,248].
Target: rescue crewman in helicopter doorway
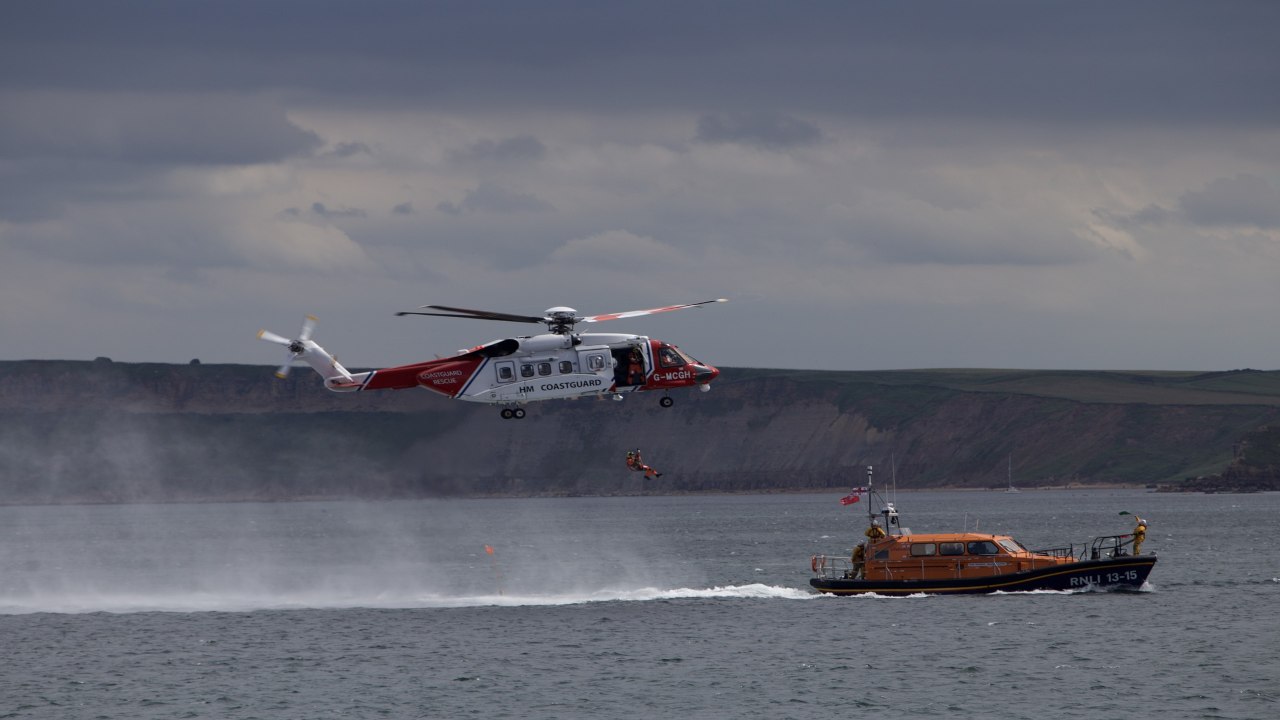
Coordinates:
[635,367]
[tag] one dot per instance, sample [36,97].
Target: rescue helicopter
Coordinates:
[512,372]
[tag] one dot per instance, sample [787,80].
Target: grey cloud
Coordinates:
[905,231]
[404,208]
[33,189]
[522,148]
[60,148]
[1081,62]
[773,131]
[1151,215]
[1239,200]
[349,149]
[490,198]
[327,212]
[149,130]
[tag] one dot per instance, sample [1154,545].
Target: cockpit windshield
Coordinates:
[671,356]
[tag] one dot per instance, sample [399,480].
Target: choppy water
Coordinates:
[683,607]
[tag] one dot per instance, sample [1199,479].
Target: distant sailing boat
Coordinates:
[1011,487]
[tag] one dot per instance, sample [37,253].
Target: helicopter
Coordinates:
[511,372]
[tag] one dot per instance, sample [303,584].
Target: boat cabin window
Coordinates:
[526,370]
[951,548]
[983,547]
[544,368]
[923,549]
[1011,545]
[566,367]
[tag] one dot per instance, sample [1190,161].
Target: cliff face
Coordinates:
[114,432]
[1256,467]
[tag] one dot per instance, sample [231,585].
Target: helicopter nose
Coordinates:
[703,374]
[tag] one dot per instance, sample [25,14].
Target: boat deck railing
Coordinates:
[833,567]
[1068,551]
[1109,546]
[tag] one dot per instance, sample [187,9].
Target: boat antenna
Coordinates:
[870,514]
[893,471]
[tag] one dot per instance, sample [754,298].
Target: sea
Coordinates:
[621,607]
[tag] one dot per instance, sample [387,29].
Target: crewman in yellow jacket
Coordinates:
[875,533]
[859,560]
[1139,534]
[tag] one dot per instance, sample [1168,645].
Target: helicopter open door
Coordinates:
[595,360]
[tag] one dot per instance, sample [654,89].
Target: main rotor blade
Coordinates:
[651,311]
[474,314]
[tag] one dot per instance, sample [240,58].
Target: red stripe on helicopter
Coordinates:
[447,377]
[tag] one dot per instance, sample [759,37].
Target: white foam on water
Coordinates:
[237,602]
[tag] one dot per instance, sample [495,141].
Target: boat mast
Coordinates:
[870,514]
[893,472]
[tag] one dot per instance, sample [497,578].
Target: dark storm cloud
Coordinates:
[1067,62]
[772,131]
[1239,200]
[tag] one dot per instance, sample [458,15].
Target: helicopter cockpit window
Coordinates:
[566,367]
[526,370]
[544,368]
[669,357]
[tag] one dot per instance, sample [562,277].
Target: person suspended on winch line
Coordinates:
[636,464]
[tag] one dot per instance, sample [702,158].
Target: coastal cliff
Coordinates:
[123,432]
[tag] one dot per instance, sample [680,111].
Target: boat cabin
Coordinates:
[938,556]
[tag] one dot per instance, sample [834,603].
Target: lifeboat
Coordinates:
[895,561]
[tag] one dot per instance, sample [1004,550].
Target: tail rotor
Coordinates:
[294,349]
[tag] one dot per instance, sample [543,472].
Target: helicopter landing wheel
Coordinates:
[667,402]
[507,413]
[518,413]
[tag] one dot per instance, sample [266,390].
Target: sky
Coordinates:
[873,185]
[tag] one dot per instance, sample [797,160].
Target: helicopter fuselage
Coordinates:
[515,371]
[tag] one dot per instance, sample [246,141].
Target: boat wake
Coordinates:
[208,602]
